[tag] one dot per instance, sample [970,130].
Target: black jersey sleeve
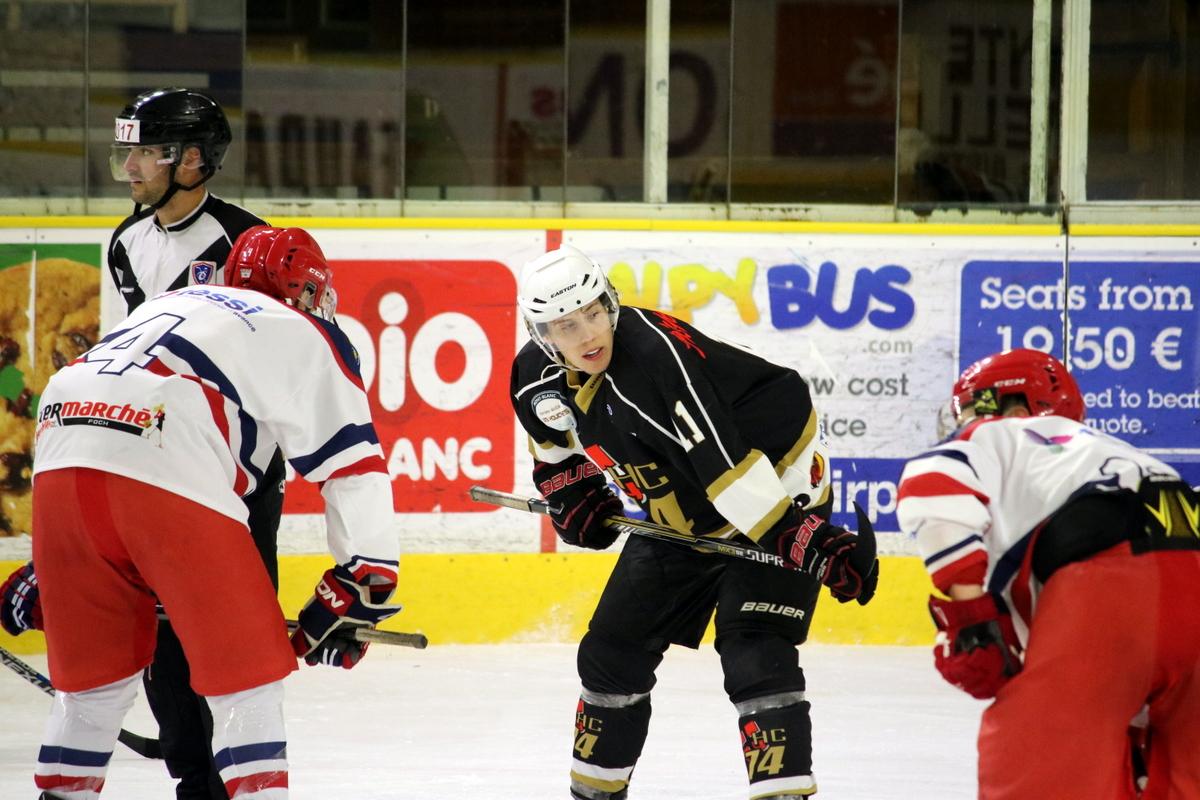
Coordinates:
[700,426]
[535,389]
[121,270]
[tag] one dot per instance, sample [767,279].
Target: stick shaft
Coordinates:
[417,640]
[637,527]
[27,672]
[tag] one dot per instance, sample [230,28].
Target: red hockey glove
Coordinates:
[327,621]
[841,559]
[977,648]
[580,501]
[20,601]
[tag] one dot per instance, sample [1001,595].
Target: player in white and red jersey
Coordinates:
[145,446]
[1071,561]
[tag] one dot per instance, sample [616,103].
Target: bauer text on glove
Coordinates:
[841,559]
[580,501]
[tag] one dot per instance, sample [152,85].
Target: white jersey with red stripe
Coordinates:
[194,390]
[974,501]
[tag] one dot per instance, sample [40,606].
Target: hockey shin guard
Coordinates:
[777,743]
[610,730]
[249,743]
[80,735]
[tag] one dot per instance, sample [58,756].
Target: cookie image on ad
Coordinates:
[36,340]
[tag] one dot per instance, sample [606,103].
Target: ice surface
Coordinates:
[494,722]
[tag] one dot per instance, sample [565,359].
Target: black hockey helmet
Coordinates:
[177,116]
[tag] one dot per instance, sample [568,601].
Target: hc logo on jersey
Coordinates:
[203,271]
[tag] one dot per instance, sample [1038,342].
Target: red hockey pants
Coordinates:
[1109,635]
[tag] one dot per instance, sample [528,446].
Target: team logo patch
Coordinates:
[816,471]
[552,409]
[203,271]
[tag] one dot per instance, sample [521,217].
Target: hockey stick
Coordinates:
[417,640]
[650,530]
[143,746]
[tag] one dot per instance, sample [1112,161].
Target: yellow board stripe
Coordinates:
[1097,229]
[492,598]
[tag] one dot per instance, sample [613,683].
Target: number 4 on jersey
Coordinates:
[132,347]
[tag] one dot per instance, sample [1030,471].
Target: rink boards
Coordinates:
[485,598]
[879,318]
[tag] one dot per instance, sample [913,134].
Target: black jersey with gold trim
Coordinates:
[707,437]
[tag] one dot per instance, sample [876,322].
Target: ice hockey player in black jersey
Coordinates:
[708,439]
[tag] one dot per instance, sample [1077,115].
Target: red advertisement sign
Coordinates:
[435,340]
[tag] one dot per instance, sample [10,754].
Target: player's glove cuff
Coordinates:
[20,601]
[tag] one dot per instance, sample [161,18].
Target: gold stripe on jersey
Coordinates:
[756,533]
[584,392]
[750,495]
[806,438]
[796,471]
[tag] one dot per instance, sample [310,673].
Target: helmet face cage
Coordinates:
[1040,380]
[559,283]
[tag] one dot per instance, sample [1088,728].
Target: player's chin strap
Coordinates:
[172,187]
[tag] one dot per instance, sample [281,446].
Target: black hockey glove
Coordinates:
[841,559]
[20,601]
[580,501]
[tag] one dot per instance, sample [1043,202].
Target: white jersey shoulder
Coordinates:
[193,391]
[984,492]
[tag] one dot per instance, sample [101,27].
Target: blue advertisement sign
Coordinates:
[870,482]
[1132,337]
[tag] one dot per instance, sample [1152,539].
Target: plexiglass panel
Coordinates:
[965,94]
[42,100]
[1144,101]
[814,101]
[483,88]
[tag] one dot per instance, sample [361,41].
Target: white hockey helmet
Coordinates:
[557,283]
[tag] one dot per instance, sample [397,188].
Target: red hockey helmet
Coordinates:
[285,263]
[1039,378]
